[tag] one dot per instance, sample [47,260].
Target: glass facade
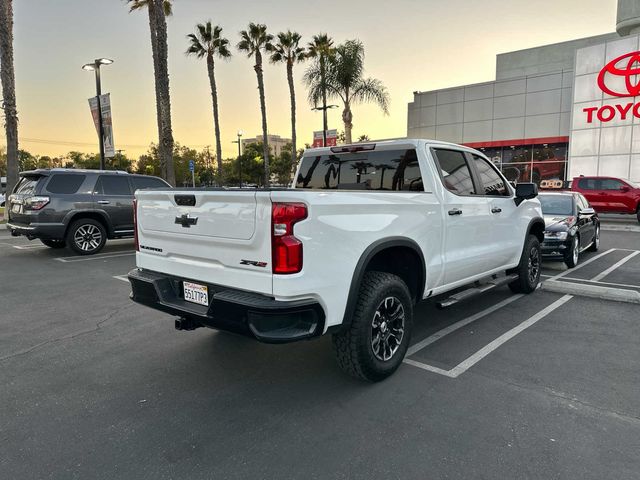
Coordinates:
[530,163]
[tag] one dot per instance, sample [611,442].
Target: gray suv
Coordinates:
[79,209]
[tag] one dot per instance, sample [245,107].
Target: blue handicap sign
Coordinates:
[192,166]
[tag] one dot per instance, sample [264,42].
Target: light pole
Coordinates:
[95,66]
[239,142]
[324,109]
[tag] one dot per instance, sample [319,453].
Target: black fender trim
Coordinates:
[363,262]
[533,222]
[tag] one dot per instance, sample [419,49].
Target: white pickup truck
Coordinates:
[365,232]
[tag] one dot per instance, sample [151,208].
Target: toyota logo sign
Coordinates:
[627,66]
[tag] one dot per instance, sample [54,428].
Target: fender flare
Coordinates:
[533,222]
[363,262]
[71,216]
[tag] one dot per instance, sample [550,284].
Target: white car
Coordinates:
[364,233]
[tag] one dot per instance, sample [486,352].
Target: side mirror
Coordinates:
[525,191]
[624,189]
[587,212]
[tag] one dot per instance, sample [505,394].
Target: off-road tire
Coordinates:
[53,243]
[524,283]
[87,223]
[353,346]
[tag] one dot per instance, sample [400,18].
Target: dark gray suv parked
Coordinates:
[80,209]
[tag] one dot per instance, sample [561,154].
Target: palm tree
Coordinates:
[158,10]
[321,48]
[254,42]
[8,80]
[288,50]
[208,42]
[344,80]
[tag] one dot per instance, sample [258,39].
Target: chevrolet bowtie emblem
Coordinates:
[186,221]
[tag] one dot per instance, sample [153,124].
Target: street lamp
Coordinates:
[324,109]
[95,66]
[239,134]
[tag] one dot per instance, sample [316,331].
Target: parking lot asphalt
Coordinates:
[504,386]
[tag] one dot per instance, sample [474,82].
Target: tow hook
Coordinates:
[186,324]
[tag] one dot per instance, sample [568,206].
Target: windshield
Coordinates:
[633,184]
[556,204]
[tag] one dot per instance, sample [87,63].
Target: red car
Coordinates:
[609,194]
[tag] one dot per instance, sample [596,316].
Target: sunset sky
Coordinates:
[410,45]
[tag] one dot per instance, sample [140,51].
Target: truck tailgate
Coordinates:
[215,237]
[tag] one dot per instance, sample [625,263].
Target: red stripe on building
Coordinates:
[517,143]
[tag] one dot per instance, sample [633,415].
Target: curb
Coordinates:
[592,291]
[620,228]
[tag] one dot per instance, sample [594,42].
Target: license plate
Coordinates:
[16,208]
[196,293]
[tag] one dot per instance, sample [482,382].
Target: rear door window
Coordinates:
[387,170]
[587,184]
[455,172]
[147,182]
[65,183]
[113,185]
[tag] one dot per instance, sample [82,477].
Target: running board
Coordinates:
[477,289]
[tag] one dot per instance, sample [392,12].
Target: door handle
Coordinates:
[104,202]
[455,211]
[496,210]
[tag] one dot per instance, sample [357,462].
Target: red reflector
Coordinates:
[135,225]
[286,249]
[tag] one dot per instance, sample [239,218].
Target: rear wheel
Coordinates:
[595,245]
[54,243]
[638,213]
[374,345]
[572,256]
[86,236]
[528,269]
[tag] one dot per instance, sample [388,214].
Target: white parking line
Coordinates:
[593,259]
[614,267]
[483,352]
[124,278]
[455,326]
[29,247]
[94,257]
[576,280]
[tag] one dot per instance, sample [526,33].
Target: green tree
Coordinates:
[287,50]
[345,81]
[26,161]
[283,165]
[158,10]
[209,43]
[320,48]
[7,78]
[254,42]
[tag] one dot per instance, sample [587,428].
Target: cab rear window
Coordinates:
[388,170]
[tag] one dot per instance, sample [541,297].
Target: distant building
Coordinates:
[553,112]
[276,142]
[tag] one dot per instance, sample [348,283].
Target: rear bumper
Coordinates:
[53,231]
[254,315]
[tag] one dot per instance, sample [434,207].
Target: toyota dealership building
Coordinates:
[553,112]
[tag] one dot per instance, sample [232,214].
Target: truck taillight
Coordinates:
[286,249]
[36,203]
[135,225]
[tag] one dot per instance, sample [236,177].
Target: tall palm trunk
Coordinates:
[263,109]
[292,93]
[323,74]
[347,119]
[216,119]
[163,100]
[7,77]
